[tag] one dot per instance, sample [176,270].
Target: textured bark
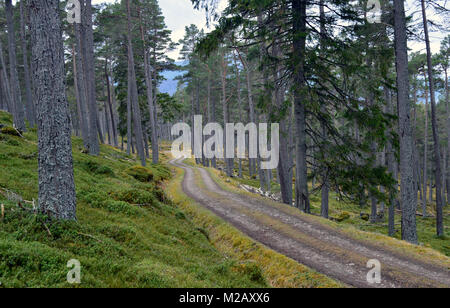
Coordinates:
[299,49]
[3,102]
[19,112]
[113,128]
[151,107]
[137,119]
[228,166]
[79,75]
[56,181]
[409,229]
[239,99]
[129,116]
[30,112]
[391,164]
[437,151]
[6,86]
[324,206]
[77,92]
[87,38]
[425,152]
[448,136]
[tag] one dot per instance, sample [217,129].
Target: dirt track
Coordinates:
[315,245]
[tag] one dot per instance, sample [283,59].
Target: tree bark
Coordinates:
[228,167]
[31,116]
[299,50]
[110,105]
[409,229]
[79,75]
[437,152]
[6,84]
[425,152]
[151,107]
[57,196]
[137,120]
[19,112]
[448,134]
[87,38]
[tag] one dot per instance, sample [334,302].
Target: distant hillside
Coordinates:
[169,85]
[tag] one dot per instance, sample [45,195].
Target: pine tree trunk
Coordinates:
[79,75]
[299,48]
[239,99]
[425,153]
[409,229]
[57,196]
[6,84]
[228,167]
[151,107]
[19,112]
[87,38]
[31,116]
[437,152]
[110,97]
[448,135]
[137,120]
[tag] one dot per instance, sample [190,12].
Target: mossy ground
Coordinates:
[128,233]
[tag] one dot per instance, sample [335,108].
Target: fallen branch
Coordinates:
[48,230]
[90,236]
[19,132]
[3,211]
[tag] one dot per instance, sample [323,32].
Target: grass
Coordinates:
[128,234]
[278,270]
[432,249]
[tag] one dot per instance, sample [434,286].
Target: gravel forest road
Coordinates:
[318,246]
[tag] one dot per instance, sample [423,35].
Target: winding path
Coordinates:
[315,245]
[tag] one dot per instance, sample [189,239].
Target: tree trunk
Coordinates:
[57,196]
[87,38]
[228,167]
[110,105]
[299,49]
[79,75]
[391,164]
[19,112]
[425,152]
[6,84]
[239,99]
[437,152]
[151,107]
[134,93]
[31,116]
[409,230]
[77,93]
[448,136]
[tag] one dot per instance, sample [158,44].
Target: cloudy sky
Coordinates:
[180,13]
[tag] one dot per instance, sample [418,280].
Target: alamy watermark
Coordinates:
[374,275]
[74,275]
[373,11]
[233,145]
[73,8]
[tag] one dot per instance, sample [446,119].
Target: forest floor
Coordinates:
[323,245]
[129,232]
